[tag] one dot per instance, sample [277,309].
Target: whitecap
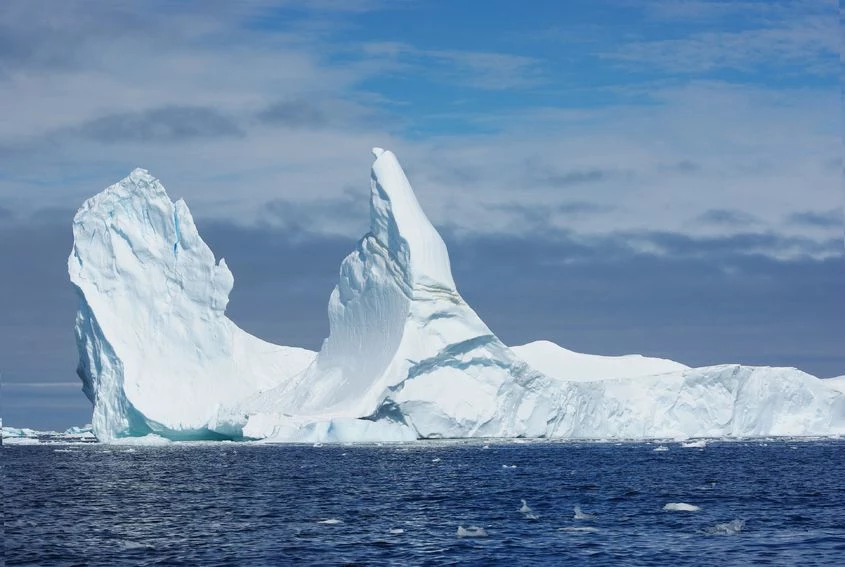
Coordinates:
[660,448]
[508,466]
[579,529]
[330,522]
[681,507]
[471,531]
[435,460]
[396,531]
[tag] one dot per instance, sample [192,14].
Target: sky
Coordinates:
[653,176]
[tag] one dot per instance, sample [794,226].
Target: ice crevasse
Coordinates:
[406,357]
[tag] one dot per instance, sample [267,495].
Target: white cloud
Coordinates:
[695,147]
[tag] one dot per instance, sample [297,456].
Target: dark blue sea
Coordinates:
[774,502]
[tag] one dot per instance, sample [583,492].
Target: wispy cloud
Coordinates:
[475,69]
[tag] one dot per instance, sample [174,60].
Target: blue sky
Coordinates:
[618,176]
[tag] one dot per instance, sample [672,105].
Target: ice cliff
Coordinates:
[156,352]
[406,357]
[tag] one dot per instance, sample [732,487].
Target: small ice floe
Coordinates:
[660,449]
[579,515]
[486,447]
[330,522]
[526,511]
[508,466]
[396,531]
[726,528]
[471,531]
[579,529]
[699,444]
[680,507]
[435,460]
[317,445]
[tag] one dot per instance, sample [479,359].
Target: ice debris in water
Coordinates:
[579,515]
[661,448]
[331,522]
[396,531]
[526,511]
[727,528]
[700,444]
[680,507]
[471,531]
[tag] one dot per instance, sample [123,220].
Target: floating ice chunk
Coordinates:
[700,444]
[508,466]
[471,531]
[330,522]
[727,528]
[396,531]
[527,512]
[435,460]
[579,515]
[660,449]
[681,507]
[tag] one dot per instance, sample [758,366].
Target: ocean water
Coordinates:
[775,502]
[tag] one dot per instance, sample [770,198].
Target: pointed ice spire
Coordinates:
[398,222]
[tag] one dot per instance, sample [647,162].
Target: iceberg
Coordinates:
[406,357]
[156,352]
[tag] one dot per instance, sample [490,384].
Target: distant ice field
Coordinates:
[775,501]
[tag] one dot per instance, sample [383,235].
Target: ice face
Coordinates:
[406,357]
[157,353]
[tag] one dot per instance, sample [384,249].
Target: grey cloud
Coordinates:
[574,177]
[726,217]
[310,217]
[582,207]
[161,125]
[825,219]
[540,217]
[293,114]
[6,215]
[683,166]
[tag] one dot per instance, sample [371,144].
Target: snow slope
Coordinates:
[156,351]
[558,362]
[406,357]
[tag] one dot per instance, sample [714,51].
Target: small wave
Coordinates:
[579,529]
[129,544]
[726,528]
[660,449]
[330,522]
[681,507]
[471,531]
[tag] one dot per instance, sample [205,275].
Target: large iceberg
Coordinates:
[406,357]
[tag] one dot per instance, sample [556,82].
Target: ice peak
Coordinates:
[398,222]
